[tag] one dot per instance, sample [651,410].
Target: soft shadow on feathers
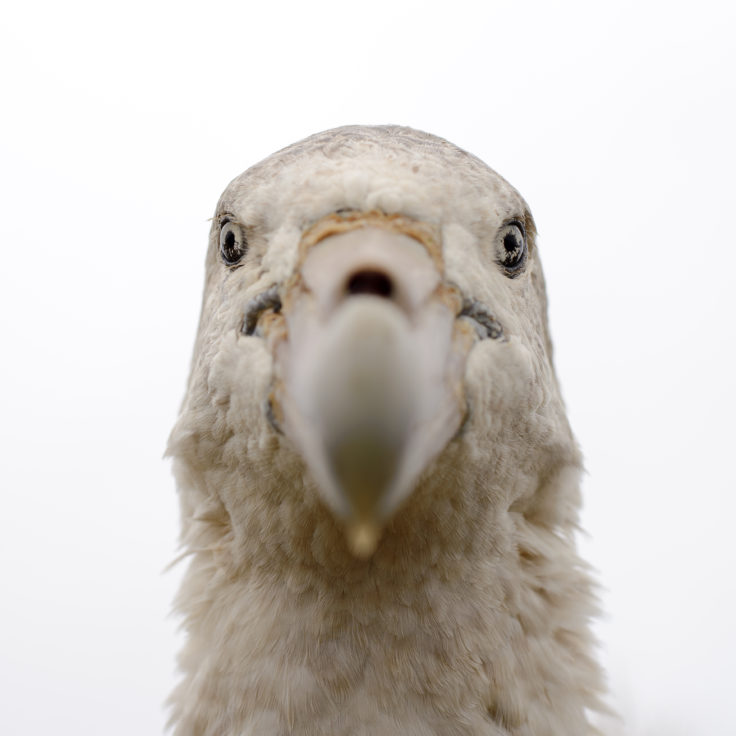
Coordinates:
[444,594]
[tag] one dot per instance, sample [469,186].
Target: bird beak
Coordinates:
[369,370]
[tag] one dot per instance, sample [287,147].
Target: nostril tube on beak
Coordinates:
[372,283]
[369,262]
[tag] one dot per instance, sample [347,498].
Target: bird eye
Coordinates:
[511,247]
[232,242]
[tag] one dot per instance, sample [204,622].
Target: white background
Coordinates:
[122,123]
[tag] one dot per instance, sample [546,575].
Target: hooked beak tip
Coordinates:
[363,537]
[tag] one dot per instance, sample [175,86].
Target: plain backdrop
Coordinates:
[122,122]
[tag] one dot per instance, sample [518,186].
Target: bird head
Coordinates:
[373,328]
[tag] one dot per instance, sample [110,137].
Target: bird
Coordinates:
[378,481]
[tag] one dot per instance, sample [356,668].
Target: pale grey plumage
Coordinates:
[467,610]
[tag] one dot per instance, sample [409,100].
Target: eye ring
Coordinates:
[511,247]
[233,244]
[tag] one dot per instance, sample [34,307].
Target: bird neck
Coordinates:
[466,609]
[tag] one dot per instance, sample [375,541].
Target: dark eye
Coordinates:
[511,247]
[232,242]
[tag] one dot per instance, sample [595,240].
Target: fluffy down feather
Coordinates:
[465,609]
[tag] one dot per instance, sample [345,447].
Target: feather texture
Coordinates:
[471,613]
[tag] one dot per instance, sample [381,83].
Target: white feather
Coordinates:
[471,616]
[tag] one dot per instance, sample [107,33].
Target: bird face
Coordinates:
[370,309]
